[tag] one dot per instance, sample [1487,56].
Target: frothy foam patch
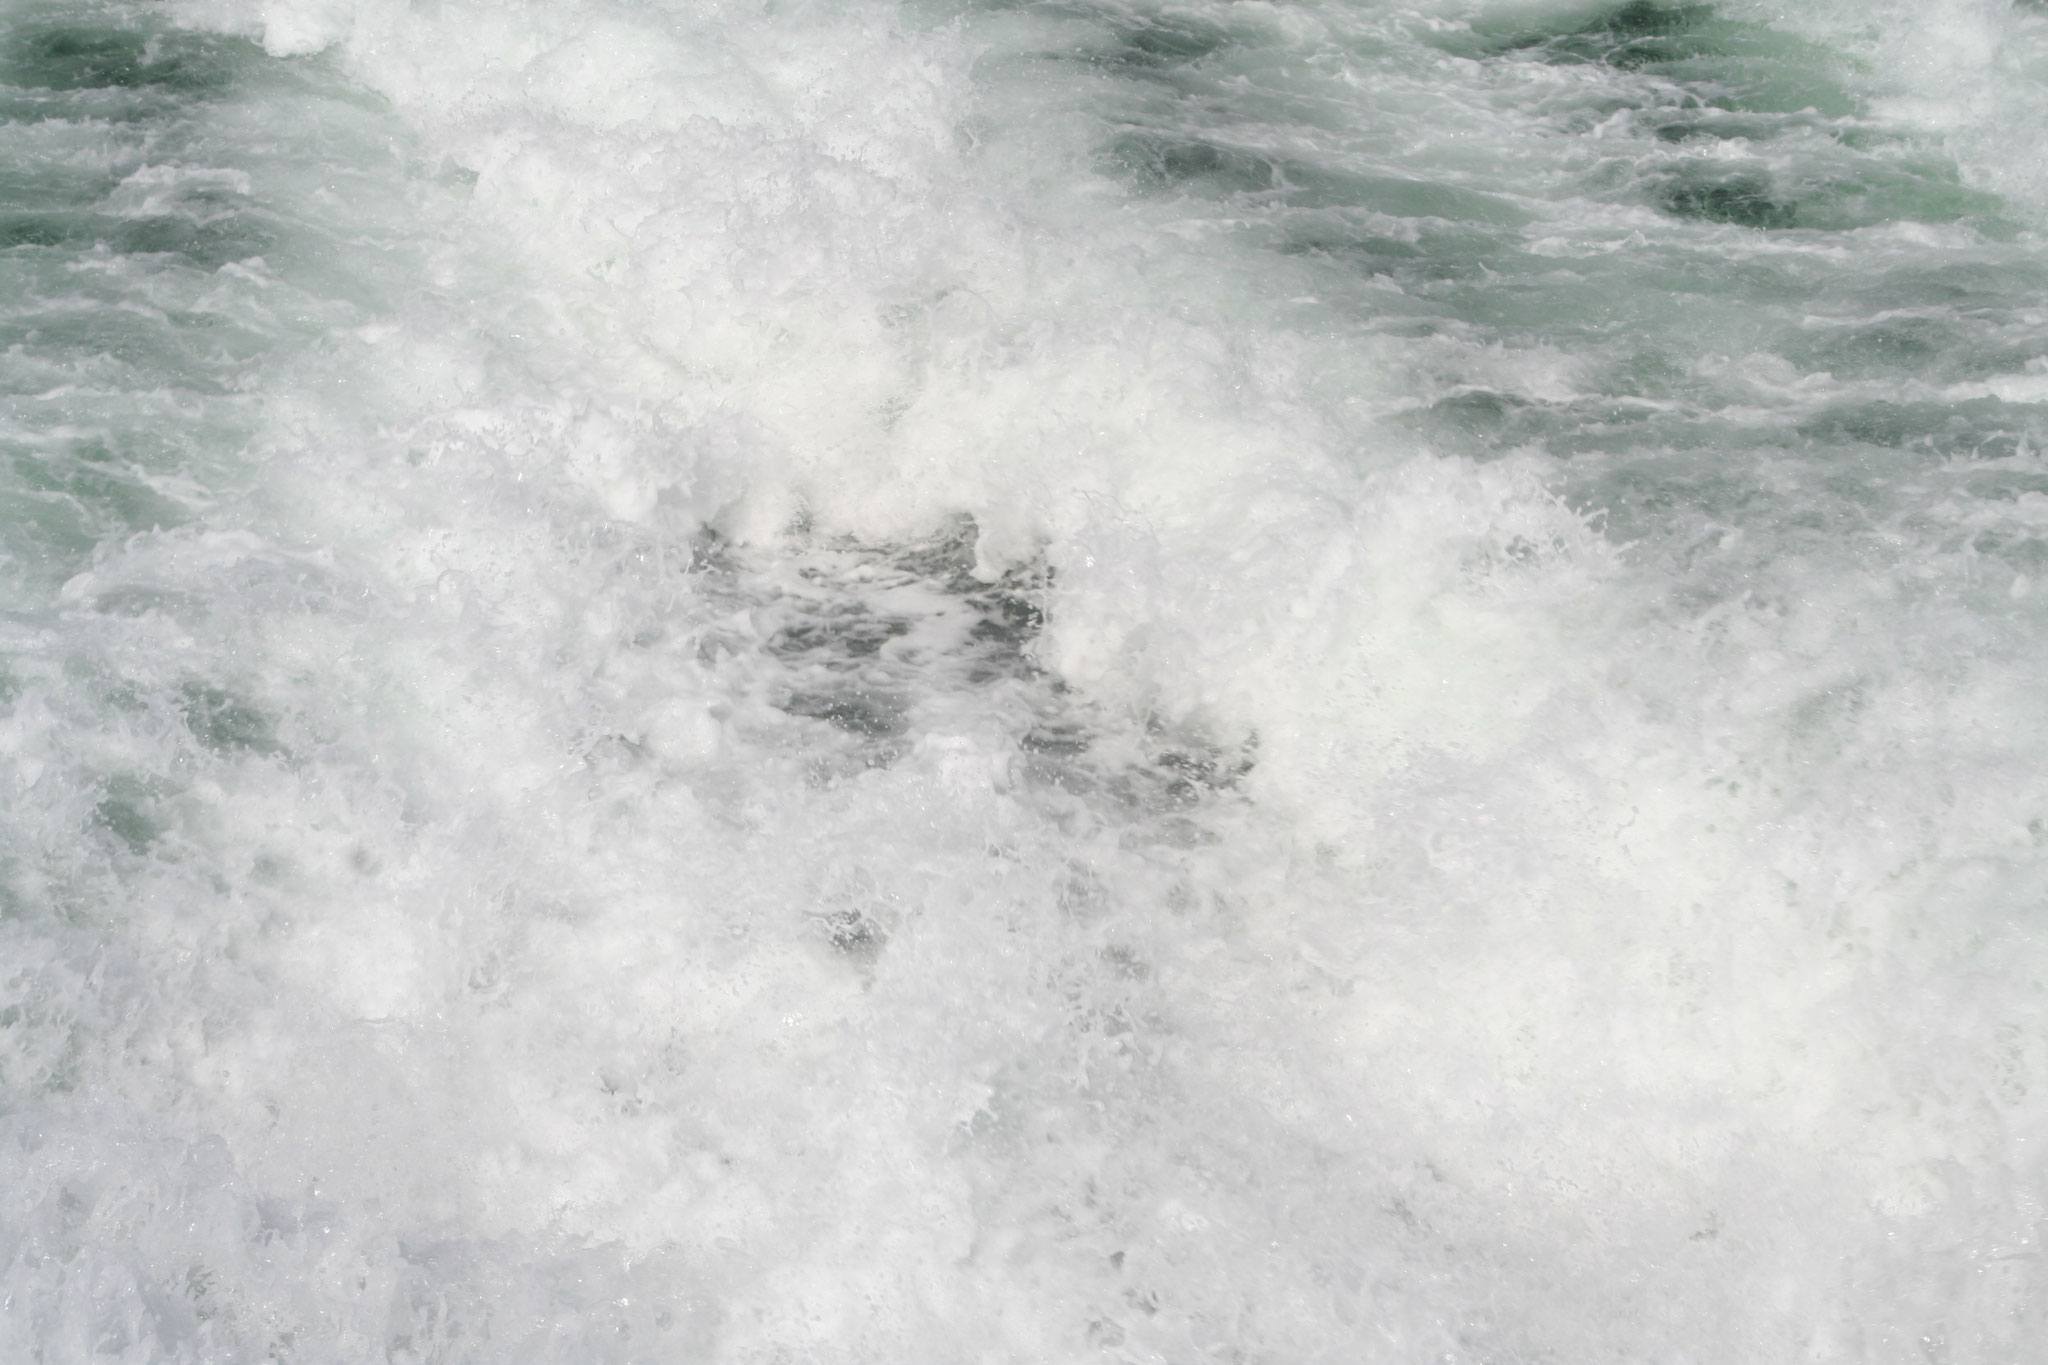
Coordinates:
[843,719]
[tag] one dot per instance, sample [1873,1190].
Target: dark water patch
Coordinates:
[855,934]
[1639,34]
[1160,161]
[1420,254]
[224,723]
[1983,428]
[123,113]
[1007,613]
[1375,252]
[134,601]
[1493,425]
[1494,419]
[1161,769]
[1158,42]
[1542,302]
[1156,162]
[128,810]
[1057,740]
[1887,190]
[859,710]
[1486,425]
[946,558]
[874,634]
[881,644]
[1312,187]
[1715,64]
[41,229]
[1189,767]
[1822,187]
[114,495]
[842,636]
[48,184]
[48,535]
[1179,769]
[1150,43]
[64,491]
[1632,36]
[1745,199]
[1374,256]
[55,509]
[1949,280]
[1009,621]
[150,347]
[1893,348]
[2022,551]
[1662,501]
[2006,485]
[208,243]
[77,56]
[1712,125]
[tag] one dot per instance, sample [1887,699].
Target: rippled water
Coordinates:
[1084,680]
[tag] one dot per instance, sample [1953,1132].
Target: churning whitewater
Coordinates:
[1024,681]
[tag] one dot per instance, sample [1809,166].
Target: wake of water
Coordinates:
[1023,681]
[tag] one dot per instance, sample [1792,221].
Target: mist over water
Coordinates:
[772,682]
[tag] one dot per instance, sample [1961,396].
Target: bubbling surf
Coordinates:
[1077,681]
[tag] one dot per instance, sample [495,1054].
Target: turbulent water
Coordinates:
[1052,680]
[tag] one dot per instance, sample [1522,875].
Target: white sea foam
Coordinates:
[599,857]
